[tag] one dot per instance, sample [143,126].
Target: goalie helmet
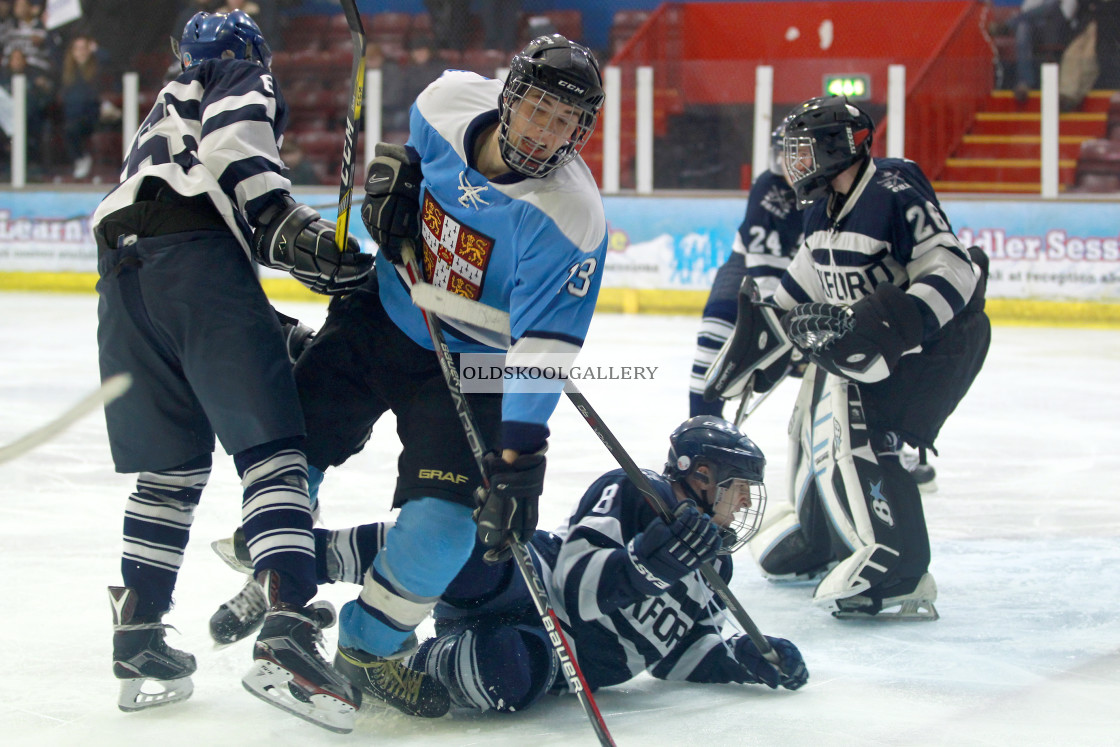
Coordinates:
[777,150]
[549,105]
[222,36]
[824,136]
[736,496]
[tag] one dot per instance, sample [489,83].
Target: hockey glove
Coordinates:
[793,674]
[508,509]
[665,553]
[391,210]
[293,237]
[297,335]
[757,352]
[885,325]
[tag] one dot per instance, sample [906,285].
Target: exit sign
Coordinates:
[856,86]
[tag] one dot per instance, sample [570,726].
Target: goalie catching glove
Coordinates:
[863,342]
[757,353]
[507,510]
[293,237]
[391,210]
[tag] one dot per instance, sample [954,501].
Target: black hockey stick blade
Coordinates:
[642,483]
[112,388]
[572,672]
[353,114]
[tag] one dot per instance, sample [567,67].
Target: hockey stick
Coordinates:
[113,387]
[481,315]
[642,483]
[748,405]
[349,145]
[576,681]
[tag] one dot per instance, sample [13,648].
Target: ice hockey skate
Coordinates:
[920,469]
[240,616]
[388,679]
[289,670]
[234,552]
[151,672]
[915,605]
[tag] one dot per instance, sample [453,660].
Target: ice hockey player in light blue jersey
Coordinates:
[491,192]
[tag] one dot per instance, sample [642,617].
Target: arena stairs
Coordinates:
[1001,152]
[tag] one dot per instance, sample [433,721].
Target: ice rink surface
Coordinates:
[1025,531]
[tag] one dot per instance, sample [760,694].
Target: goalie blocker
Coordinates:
[756,354]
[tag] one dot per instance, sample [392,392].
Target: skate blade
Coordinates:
[223,548]
[273,684]
[137,695]
[909,611]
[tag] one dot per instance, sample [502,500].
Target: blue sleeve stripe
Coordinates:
[947,290]
[523,437]
[249,113]
[796,292]
[544,335]
[243,169]
[930,322]
[188,109]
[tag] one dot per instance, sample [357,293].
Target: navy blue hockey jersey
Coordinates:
[889,229]
[621,624]
[770,232]
[214,131]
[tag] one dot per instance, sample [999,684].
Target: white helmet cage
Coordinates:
[549,105]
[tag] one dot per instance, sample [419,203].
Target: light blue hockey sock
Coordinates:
[423,552]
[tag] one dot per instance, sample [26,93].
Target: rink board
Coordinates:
[1051,261]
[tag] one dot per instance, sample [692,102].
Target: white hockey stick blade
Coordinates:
[453,306]
[113,387]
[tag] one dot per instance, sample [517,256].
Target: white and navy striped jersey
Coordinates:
[532,247]
[770,232]
[621,623]
[889,229]
[213,131]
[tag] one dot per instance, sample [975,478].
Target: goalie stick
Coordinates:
[349,145]
[563,650]
[480,315]
[113,387]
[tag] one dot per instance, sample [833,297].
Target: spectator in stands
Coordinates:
[1107,15]
[401,89]
[450,23]
[1042,29]
[7,20]
[29,50]
[80,96]
[297,168]
[500,24]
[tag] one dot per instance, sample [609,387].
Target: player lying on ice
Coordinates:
[879,256]
[626,584]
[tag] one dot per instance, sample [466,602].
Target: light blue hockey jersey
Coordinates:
[532,247]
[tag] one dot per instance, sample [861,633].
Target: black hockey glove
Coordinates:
[757,351]
[884,325]
[793,674]
[391,210]
[293,237]
[508,509]
[665,553]
[297,335]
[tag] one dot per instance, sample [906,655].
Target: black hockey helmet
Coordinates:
[555,90]
[824,136]
[219,36]
[736,468]
[777,150]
